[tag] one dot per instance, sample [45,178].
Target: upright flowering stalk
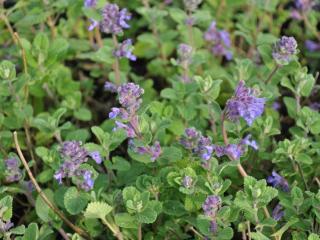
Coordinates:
[130,100]
[198,144]
[74,155]
[244,104]
[210,208]
[277,212]
[91,4]
[302,7]
[219,40]
[185,53]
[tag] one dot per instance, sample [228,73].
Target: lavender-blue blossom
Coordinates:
[247,141]
[244,104]
[90,3]
[12,171]
[211,205]
[285,50]
[220,40]
[96,157]
[304,5]
[312,46]
[184,55]
[213,226]
[114,19]
[124,50]
[5,226]
[190,139]
[278,181]
[154,151]
[277,212]
[110,87]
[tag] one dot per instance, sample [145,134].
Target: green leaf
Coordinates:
[83,114]
[178,15]
[169,93]
[44,212]
[32,232]
[291,106]
[258,236]
[7,70]
[125,220]
[297,196]
[304,159]
[313,236]
[97,210]
[74,201]
[6,208]
[225,233]
[148,215]
[282,230]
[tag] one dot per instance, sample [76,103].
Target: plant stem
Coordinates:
[116,67]
[275,69]
[140,232]
[113,229]
[98,37]
[42,194]
[190,31]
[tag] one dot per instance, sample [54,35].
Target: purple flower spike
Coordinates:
[125,50]
[128,128]
[211,205]
[88,182]
[244,104]
[304,5]
[154,151]
[184,55]
[96,157]
[129,96]
[220,40]
[285,50]
[277,212]
[277,180]
[114,19]
[213,226]
[234,151]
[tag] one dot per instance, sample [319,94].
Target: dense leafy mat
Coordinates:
[152,119]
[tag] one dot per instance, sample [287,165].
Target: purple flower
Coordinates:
[304,5]
[184,55]
[213,226]
[295,14]
[96,157]
[114,113]
[5,226]
[73,155]
[190,21]
[124,50]
[234,151]
[88,182]
[12,172]
[167,2]
[192,5]
[114,19]
[285,50]
[198,144]
[277,180]
[90,3]
[315,106]
[129,96]
[244,104]
[93,24]
[277,212]
[312,46]
[187,182]
[108,86]
[211,205]
[276,106]
[220,40]
[251,143]
[127,127]
[154,151]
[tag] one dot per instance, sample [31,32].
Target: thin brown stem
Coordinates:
[52,27]
[42,194]
[140,232]
[23,52]
[116,67]
[276,68]
[98,37]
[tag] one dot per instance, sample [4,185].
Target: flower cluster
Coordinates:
[312,46]
[91,4]
[130,100]
[220,40]
[278,181]
[74,155]
[154,151]
[285,50]
[5,226]
[244,104]
[198,144]
[124,50]
[192,5]
[13,172]
[210,208]
[184,55]
[114,19]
